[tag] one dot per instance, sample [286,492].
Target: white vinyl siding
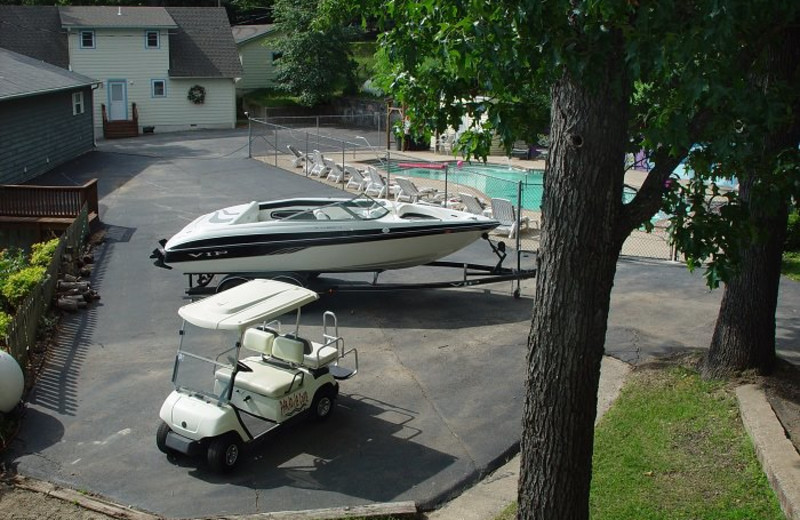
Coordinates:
[121,53]
[257,62]
[218,110]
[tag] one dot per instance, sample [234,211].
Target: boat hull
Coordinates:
[321,246]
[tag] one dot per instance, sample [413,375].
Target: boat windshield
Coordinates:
[362,207]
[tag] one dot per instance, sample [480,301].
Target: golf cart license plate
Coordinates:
[293,404]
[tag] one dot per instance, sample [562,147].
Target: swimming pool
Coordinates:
[495,180]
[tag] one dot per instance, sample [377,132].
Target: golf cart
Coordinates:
[222,399]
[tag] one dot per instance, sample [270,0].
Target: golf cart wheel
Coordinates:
[224,452]
[161,438]
[322,405]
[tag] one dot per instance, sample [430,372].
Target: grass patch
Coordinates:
[791,265]
[673,447]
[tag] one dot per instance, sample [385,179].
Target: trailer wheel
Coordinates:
[161,438]
[224,452]
[322,405]
[230,282]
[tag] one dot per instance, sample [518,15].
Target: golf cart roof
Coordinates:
[245,305]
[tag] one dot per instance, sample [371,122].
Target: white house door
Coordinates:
[117,101]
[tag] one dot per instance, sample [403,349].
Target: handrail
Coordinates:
[17,200]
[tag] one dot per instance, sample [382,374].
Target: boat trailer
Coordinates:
[470,275]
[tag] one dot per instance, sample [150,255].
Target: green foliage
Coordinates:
[19,284]
[11,260]
[791,265]
[5,321]
[316,56]
[793,232]
[42,252]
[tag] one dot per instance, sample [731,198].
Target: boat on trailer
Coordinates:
[316,235]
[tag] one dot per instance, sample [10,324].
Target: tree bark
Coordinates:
[581,241]
[744,335]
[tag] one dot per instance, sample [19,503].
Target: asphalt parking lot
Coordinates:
[436,404]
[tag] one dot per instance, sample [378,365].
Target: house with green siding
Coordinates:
[45,116]
[260,60]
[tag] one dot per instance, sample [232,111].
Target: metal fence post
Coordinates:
[249,136]
[519,225]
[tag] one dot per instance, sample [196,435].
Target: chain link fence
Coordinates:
[361,141]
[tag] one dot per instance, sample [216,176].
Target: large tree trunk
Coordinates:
[744,336]
[580,245]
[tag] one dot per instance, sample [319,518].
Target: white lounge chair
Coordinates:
[320,169]
[503,211]
[472,204]
[355,179]
[335,172]
[408,191]
[299,157]
[376,184]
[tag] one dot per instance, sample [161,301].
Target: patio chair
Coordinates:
[299,157]
[472,204]
[504,212]
[408,192]
[320,169]
[355,179]
[376,184]
[335,172]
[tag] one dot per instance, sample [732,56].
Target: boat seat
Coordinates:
[320,356]
[321,215]
[265,379]
[258,340]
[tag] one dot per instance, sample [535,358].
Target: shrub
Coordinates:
[42,252]
[793,232]
[11,260]
[19,284]
[5,320]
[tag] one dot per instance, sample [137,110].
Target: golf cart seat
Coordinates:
[259,341]
[320,356]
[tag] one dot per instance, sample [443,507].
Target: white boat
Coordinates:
[316,235]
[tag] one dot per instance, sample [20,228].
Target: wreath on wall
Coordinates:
[197,95]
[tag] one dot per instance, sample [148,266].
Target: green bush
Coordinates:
[19,284]
[793,232]
[5,320]
[42,252]
[11,260]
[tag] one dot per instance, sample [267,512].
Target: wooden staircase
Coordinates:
[119,129]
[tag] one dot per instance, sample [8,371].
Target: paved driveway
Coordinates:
[437,402]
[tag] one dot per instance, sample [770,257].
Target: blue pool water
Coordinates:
[495,180]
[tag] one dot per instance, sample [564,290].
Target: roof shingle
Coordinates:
[34,31]
[203,45]
[22,76]
[115,17]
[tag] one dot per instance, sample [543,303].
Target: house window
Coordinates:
[159,87]
[151,39]
[77,103]
[87,39]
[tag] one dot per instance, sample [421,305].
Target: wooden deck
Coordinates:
[46,210]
